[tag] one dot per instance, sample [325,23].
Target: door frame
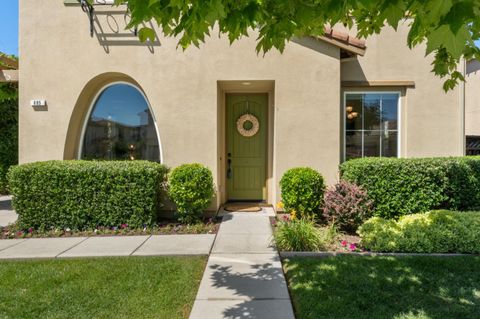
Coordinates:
[222,137]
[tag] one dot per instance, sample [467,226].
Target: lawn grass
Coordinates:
[385,287]
[122,287]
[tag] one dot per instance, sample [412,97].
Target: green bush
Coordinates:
[8,130]
[432,232]
[3,180]
[407,186]
[191,189]
[298,235]
[86,194]
[302,191]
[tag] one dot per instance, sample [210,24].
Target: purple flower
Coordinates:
[30,230]
[353,247]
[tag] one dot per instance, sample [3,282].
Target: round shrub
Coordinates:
[346,205]
[298,235]
[191,189]
[302,191]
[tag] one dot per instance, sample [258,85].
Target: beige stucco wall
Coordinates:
[62,64]
[432,120]
[472,98]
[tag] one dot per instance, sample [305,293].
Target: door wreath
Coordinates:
[244,119]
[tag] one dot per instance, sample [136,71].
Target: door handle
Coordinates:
[229,169]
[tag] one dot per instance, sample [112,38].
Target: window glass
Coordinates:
[389,111]
[353,144]
[371,144]
[372,110]
[121,127]
[354,112]
[389,144]
[371,125]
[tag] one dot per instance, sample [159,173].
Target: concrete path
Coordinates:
[155,245]
[244,276]
[7,214]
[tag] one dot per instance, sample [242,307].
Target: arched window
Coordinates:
[120,126]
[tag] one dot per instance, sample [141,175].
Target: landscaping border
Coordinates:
[326,254]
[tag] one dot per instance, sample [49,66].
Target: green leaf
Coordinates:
[453,43]
[145,34]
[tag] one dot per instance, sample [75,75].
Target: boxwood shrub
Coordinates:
[407,186]
[431,232]
[191,188]
[302,191]
[86,194]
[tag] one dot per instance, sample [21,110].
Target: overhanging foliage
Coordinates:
[449,28]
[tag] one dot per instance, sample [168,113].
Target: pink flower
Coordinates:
[344,243]
[124,226]
[353,247]
[30,230]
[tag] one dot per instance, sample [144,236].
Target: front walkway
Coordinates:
[155,245]
[244,276]
[64,247]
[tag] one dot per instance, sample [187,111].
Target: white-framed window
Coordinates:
[371,124]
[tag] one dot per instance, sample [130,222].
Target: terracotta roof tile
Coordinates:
[345,38]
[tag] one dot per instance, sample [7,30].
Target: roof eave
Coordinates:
[8,76]
[344,46]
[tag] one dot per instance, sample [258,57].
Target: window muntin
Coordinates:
[121,126]
[371,124]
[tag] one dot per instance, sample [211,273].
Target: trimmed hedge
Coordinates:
[407,186]
[302,191]
[86,194]
[191,188]
[8,130]
[432,232]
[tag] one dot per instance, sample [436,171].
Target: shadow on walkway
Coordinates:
[263,284]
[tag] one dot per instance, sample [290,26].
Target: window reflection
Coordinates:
[371,125]
[121,127]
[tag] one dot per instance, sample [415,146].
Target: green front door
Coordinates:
[246,155]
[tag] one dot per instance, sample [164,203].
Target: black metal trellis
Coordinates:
[87,7]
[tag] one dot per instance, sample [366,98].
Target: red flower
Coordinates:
[344,243]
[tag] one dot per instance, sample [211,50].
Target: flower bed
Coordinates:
[209,226]
[291,234]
